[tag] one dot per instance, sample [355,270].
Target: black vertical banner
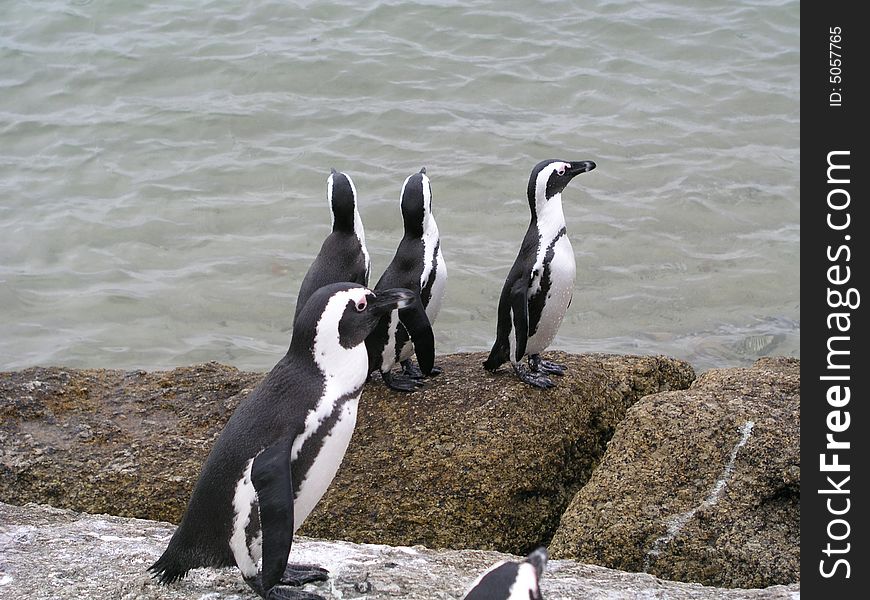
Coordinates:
[835,368]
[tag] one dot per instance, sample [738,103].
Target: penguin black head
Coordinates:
[416,203]
[550,177]
[342,315]
[341,194]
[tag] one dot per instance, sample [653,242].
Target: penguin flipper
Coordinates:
[414,318]
[520,311]
[273,482]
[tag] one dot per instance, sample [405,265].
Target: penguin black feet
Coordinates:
[409,369]
[293,577]
[536,379]
[538,364]
[285,592]
[296,574]
[400,383]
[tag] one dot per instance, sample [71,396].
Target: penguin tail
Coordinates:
[190,547]
[168,569]
[178,558]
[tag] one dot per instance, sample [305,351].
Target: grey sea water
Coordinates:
[163,168]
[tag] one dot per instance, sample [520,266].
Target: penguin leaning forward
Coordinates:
[281,448]
[343,255]
[418,266]
[540,284]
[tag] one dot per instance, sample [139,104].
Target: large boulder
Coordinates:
[48,553]
[699,485]
[473,460]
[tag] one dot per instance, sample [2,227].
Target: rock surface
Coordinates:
[54,554]
[474,460]
[699,485]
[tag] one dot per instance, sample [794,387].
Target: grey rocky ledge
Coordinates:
[48,553]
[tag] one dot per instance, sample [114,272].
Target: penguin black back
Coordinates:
[343,255]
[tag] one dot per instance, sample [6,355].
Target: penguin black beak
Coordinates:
[579,166]
[386,301]
[538,558]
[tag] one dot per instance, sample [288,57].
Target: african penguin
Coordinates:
[539,286]
[281,448]
[418,266]
[343,255]
[510,580]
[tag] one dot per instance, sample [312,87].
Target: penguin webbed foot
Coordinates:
[409,369]
[538,380]
[400,383]
[285,591]
[297,574]
[539,365]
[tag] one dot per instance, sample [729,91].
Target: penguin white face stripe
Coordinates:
[427,199]
[329,181]
[358,227]
[541,184]
[430,234]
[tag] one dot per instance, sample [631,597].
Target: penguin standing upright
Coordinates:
[540,284]
[343,255]
[511,580]
[281,448]
[418,266]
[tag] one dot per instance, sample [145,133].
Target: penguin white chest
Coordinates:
[438,287]
[320,474]
[560,273]
[329,424]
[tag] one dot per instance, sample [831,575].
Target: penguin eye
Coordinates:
[561,170]
[361,305]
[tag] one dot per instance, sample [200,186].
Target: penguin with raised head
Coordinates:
[418,266]
[343,255]
[511,580]
[540,284]
[281,448]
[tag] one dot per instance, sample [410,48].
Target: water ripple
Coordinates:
[163,169]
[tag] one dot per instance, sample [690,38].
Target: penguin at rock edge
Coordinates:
[540,284]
